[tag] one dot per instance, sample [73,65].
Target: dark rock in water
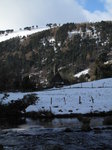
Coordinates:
[1,147]
[53,147]
[85,128]
[68,130]
[97,130]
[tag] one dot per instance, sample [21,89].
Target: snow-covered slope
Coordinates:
[73,99]
[103,83]
[20,33]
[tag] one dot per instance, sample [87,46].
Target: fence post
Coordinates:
[80,100]
[92,99]
[65,100]
[50,109]
[51,100]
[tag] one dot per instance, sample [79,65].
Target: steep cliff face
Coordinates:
[69,49]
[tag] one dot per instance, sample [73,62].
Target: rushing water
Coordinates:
[54,134]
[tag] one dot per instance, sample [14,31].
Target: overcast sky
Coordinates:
[20,13]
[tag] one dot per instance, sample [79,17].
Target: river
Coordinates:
[55,134]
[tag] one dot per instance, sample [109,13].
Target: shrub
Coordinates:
[16,108]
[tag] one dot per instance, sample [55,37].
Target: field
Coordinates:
[81,98]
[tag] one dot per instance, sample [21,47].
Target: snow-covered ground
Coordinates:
[82,98]
[20,33]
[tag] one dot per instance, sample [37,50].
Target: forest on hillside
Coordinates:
[31,63]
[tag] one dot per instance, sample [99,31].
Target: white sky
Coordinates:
[20,13]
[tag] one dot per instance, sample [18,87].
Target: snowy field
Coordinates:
[82,98]
[20,33]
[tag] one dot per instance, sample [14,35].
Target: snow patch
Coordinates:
[84,72]
[52,40]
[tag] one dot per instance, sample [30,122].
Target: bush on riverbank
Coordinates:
[40,114]
[17,108]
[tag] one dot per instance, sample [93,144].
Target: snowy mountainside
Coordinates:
[20,33]
[73,99]
[66,49]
